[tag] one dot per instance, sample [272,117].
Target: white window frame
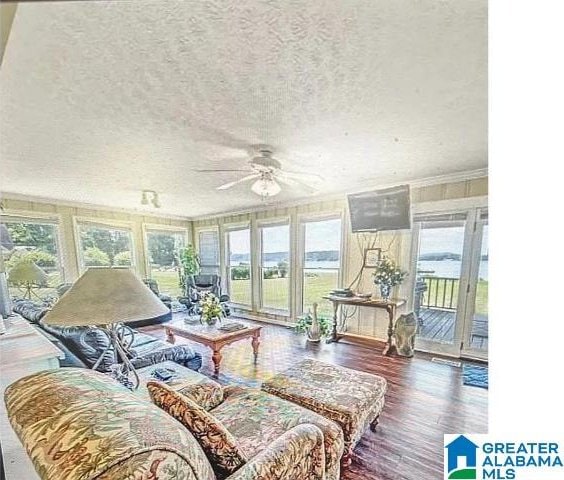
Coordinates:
[10,216]
[214,229]
[233,227]
[103,223]
[469,206]
[300,261]
[266,223]
[156,228]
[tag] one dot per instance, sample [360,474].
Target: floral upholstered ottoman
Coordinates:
[352,399]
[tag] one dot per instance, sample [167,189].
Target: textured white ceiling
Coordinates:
[102,99]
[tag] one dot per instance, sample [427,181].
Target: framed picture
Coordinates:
[371,257]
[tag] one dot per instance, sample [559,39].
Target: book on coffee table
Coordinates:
[231,327]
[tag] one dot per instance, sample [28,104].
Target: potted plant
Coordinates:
[189,263]
[313,326]
[388,275]
[211,310]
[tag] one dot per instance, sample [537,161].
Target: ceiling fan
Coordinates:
[268,174]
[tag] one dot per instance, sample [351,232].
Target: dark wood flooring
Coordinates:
[424,401]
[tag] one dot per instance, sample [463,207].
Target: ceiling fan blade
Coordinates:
[206,170]
[286,181]
[301,175]
[225,186]
[293,182]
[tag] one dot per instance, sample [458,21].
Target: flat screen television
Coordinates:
[387,209]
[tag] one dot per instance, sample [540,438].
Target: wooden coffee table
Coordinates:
[213,338]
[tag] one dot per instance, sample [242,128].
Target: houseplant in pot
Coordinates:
[313,326]
[211,311]
[189,263]
[387,275]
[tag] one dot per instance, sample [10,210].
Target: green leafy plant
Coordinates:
[40,258]
[242,272]
[122,259]
[282,269]
[388,273]
[305,321]
[94,257]
[189,264]
[211,308]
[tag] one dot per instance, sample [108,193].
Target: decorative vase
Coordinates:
[209,321]
[385,291]
[314,331]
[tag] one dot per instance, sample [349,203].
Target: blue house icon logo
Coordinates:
[461,459]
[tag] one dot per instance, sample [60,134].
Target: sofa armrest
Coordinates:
[299,453]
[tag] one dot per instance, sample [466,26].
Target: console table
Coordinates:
[389,306]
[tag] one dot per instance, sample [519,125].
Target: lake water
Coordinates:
[309,264]
[450,268]
[441,268]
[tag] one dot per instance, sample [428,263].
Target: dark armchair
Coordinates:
[197,286]
[154,286]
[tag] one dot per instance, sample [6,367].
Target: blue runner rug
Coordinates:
[475,376]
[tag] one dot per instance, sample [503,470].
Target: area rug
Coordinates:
[475,376]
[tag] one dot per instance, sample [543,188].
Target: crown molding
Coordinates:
[89,206]
[369,184]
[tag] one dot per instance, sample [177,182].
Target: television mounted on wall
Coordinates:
[387,209]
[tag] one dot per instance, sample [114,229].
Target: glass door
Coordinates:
[440,243]
[477,320]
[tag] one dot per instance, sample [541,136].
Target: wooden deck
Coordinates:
[438,325]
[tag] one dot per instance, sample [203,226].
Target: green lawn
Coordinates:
[168,282]
[276,291]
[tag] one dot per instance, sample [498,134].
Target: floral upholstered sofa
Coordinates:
[78,424]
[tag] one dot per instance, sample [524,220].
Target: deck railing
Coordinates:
[442,292]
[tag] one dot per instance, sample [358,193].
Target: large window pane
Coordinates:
[208,250]
[33,242]
[322,257]
[163,248]
[439,266]
[275,267]
[239,266]
[105,246]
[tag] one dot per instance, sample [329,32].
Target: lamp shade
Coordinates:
[102,296]
[26,273]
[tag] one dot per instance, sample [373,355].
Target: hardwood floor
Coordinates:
[424,401]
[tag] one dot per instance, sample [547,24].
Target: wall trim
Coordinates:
[90,206]
[424,182]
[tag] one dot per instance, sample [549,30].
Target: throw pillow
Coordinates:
[208,394]
[218,444]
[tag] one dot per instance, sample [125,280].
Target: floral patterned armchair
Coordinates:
[78,424]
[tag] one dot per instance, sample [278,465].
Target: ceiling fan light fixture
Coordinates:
[266,187]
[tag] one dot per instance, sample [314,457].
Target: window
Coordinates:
[239,265]
[34,241]
[321,262]
[275,267]
[163,248]
[208,251]
[104,246]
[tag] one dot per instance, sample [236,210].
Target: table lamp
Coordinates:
[105,297]
[29,275]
